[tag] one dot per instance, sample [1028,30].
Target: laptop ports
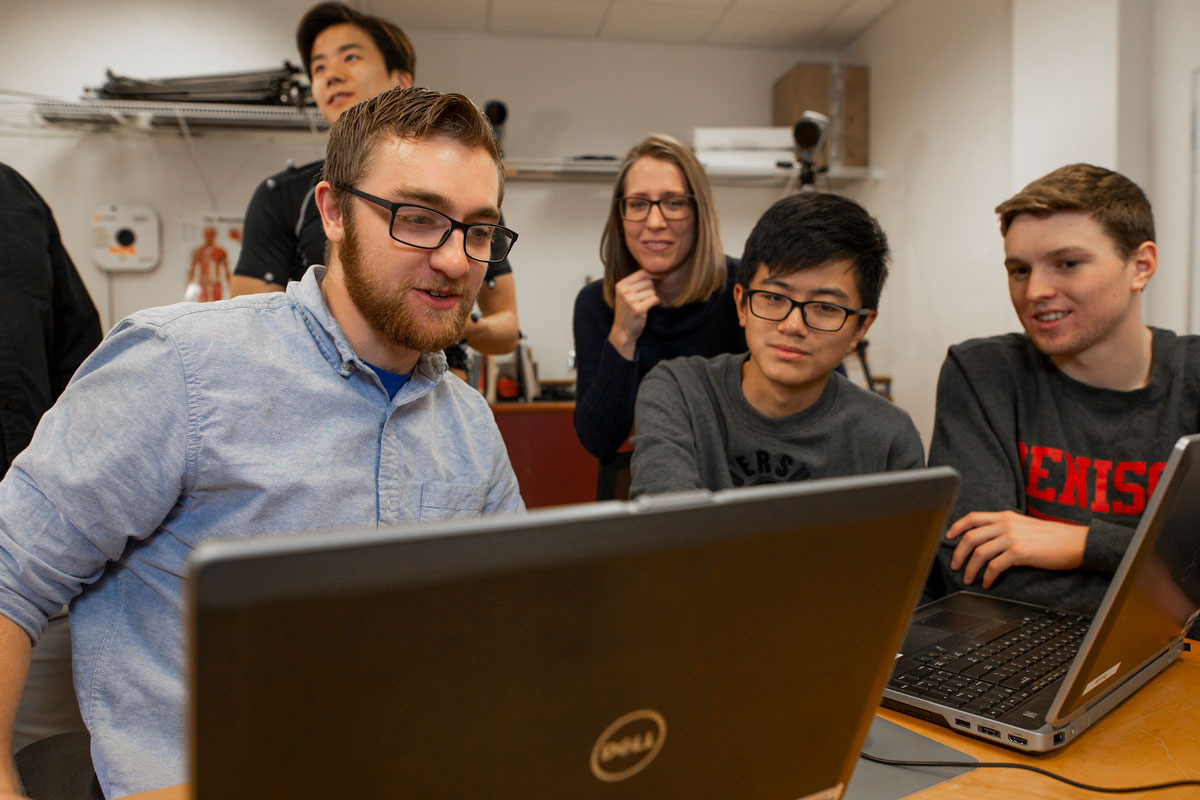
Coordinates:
[1018,740]
[989,731]
[962,723]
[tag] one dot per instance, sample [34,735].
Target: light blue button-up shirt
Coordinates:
[199,421]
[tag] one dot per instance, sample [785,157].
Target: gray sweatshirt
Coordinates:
[695,429]
[1030,439]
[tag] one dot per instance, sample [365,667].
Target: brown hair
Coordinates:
[1114,201]
[397,50]
[401,113]
[706,262]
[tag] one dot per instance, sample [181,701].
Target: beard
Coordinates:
[387,310]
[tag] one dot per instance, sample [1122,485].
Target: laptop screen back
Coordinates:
[1154,593]
[705,645]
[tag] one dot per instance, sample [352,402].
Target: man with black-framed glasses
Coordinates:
[350,56]
[322,407]
[807,291]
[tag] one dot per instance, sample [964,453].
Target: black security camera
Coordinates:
[808,132]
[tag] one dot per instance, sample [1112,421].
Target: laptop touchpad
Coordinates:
[952,621]
[936,627]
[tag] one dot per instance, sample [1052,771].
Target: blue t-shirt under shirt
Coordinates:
[392,381]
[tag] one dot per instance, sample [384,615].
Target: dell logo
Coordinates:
[636,744]
[628,745]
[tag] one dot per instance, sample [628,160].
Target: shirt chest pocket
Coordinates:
[442,500]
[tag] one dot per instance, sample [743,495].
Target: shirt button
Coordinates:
[388,504]
[346,366]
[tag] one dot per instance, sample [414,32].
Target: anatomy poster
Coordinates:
[211,243]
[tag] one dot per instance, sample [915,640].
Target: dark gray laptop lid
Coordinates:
[705,645]
[1154,594]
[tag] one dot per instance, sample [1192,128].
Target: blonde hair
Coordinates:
[706,271]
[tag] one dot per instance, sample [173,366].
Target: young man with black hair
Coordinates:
[349,57]
[807,291]
[1061,433]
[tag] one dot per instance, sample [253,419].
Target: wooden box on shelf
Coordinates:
[840,92]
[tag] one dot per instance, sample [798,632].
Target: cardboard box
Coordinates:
[836,90]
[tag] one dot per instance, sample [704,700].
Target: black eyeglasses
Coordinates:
[673,206]
[428,229]
[817,314]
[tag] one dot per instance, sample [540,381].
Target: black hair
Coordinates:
[809,229]
[397,50]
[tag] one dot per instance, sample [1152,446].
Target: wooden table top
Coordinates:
[1153,737]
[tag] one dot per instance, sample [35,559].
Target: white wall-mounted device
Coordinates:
[126,238]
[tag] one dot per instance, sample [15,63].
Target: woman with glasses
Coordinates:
[666,292]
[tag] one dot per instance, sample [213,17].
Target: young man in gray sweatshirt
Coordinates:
[1061,433]
[807,292]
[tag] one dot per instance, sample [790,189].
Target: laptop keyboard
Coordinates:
[994,677]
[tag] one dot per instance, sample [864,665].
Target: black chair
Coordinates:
[59,768]
[612,483]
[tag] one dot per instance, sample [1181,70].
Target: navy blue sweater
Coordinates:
[606,384]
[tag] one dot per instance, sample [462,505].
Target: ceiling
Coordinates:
[805,24]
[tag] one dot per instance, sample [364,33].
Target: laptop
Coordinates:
[1034,678]
[690,645]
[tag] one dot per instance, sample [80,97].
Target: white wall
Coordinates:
[1175,26]
[1135,78]
[565,97]
[940,99]
[1064,68]
[970,101]
[57,47]
[1081,86]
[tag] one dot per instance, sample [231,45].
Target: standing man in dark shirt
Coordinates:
[349,57]
[48,326]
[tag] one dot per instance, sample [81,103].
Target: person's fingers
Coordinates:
[982,555]
[971,540]
[996,566]
[968,521]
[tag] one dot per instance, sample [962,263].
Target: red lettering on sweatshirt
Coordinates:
[1075,492]
[1156,471]
[1138,504]
[1037,472]
[1053,475]
[1100,485]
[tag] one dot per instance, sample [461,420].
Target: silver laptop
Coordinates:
[729,644]
[1034,678]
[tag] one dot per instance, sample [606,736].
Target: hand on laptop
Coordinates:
[998,540]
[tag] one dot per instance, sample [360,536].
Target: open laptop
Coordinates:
[1033,678]
[728,644]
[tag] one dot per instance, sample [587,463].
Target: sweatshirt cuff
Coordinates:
[613,363]
[1106,545]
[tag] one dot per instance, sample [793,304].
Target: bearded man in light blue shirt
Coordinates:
[323,407]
